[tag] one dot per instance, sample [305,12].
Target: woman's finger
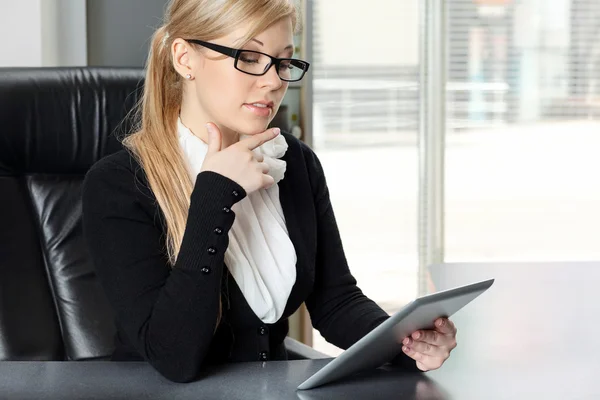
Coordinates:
[424,362]
[445,326]
[430,349]
[268,181]
[431,337]
[423,347]
[264,167]
[254,141]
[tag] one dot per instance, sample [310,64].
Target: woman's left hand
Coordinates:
[431,348]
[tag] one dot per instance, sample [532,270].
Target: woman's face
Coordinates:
[225,95]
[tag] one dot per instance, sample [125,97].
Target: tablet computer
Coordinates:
[383,343]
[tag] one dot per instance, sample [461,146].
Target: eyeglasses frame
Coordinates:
[235,53]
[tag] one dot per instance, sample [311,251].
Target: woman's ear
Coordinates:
[183,58]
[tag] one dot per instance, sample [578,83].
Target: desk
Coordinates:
[533,335]
[275,380]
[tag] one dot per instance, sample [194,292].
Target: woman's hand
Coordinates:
[431,348]
[237,162]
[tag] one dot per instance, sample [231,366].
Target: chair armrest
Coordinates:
[299,351]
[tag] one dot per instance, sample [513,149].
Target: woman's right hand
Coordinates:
[237,162]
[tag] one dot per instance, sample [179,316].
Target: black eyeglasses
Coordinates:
[257,63]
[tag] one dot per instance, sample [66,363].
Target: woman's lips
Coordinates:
[260,111]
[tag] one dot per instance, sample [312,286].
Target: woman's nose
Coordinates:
[271,77]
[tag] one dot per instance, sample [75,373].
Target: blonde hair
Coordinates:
[155,144]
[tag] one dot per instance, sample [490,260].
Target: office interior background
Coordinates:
[513,173]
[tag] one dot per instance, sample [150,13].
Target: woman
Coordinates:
[208,231]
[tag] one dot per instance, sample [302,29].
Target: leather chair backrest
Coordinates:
[54,124]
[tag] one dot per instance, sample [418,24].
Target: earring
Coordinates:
[189,77]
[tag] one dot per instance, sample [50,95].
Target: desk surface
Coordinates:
[269,380]
[533,335]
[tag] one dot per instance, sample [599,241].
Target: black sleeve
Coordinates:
[338,308]
[168,314]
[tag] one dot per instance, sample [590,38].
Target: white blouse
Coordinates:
[260,256]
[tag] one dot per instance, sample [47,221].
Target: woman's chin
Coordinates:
[253,130]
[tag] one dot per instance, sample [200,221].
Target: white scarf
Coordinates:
[260,256]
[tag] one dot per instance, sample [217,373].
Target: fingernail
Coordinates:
[441,322]
[417,335]
[406,341]
[277,131]
[405,349]
[208,128]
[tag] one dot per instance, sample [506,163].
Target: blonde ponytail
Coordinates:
[156,144]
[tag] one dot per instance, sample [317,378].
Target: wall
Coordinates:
[42,33]
[119,31]
[63,28]
[20,30]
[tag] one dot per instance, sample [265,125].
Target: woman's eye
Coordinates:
[249,60]
[286,65]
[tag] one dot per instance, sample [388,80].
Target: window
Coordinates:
[523,130]
[521,137]
[365,125]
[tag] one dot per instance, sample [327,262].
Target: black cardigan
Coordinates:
[167,315]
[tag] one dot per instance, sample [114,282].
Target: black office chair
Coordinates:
[54,124]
